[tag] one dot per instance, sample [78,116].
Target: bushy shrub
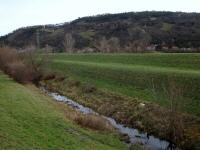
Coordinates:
[7,56]
[12,65]
[20,72]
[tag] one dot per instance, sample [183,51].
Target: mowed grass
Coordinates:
[144,76]
[31,120]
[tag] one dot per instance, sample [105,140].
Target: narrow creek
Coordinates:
[135,137]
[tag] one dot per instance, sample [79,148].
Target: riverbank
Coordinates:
[31,120]
[134,137]
[146,116]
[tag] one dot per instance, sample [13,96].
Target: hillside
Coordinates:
[31,120]
[125,32]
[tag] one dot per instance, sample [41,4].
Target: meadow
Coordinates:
[143,76]
[31,120]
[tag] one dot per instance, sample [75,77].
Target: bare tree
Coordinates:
[37,61]
[102,45]
[68,42]
[108,45]
[113,44]
[140,39]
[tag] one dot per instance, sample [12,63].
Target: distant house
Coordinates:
[175,48]
[151,48]
[165,48]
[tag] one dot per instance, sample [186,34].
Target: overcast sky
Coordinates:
[21,13]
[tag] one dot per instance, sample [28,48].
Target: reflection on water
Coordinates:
[135,136]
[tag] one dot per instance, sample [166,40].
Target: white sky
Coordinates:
[21,13]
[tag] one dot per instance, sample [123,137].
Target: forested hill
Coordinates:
[124,32]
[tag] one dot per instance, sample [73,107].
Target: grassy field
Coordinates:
[142,76]
[31,120]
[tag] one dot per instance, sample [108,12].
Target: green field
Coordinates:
[142,76]
[30,120]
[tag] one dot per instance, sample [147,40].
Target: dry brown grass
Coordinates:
[175,125]
[93,122]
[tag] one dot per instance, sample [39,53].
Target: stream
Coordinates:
[135,137]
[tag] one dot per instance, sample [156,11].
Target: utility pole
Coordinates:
[38,39]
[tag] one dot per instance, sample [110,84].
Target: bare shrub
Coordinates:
[23,67]
[20,72]
[33,58]
[108,45]
[102,45]
[11,64]
[114,45]
[7,55]
[37,61]
[140,39]
[93,122]
[68,42]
